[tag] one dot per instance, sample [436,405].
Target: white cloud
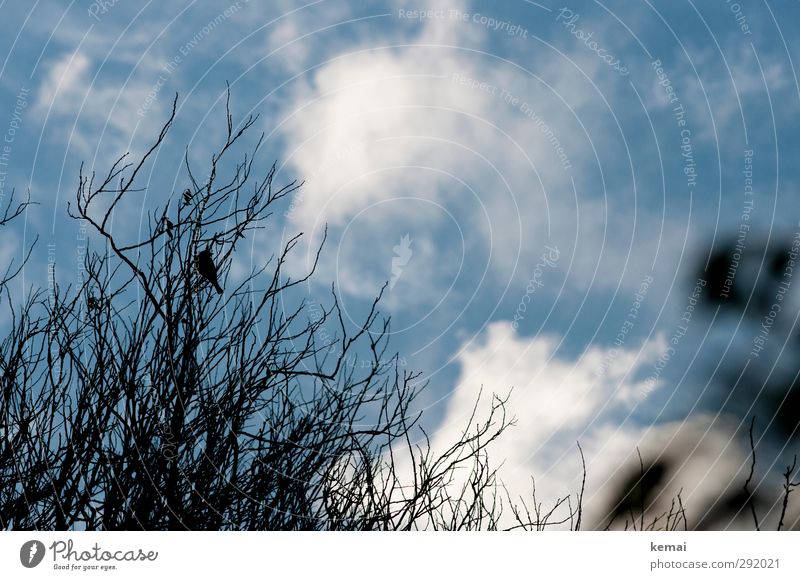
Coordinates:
[98,115]
[65,83]
[558,401]
[479,135]
[555,401]
[291,50]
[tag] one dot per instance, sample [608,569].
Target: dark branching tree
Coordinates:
[161,392]
[158,394]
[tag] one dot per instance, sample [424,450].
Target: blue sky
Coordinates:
[550,167]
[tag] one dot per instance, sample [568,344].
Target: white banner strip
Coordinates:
[484,555]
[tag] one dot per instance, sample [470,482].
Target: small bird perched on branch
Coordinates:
[168,227]
[207,268]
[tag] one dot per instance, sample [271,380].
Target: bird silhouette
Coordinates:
[168,227]
[207,268]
